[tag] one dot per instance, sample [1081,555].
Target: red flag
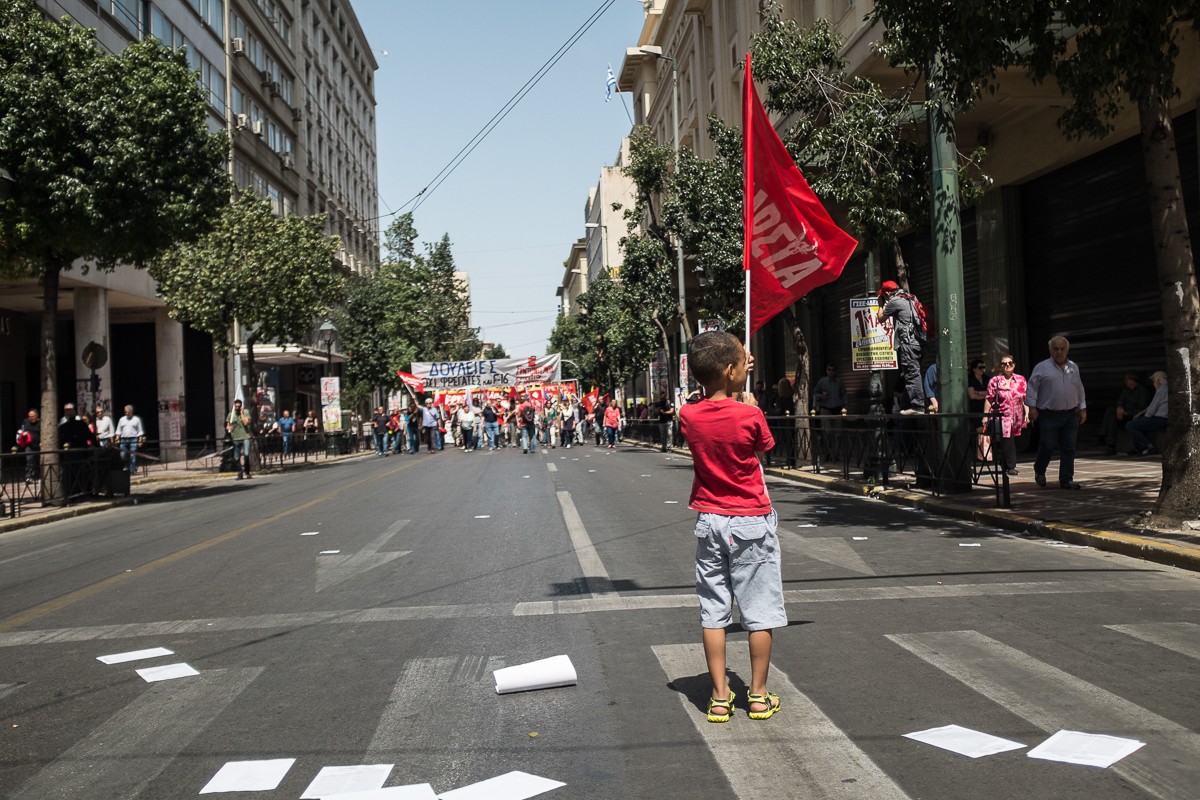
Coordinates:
[790,244]
[411,381]
[591,398]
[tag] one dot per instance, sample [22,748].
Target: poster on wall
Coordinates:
[170,420]
[871,345]
[331,404]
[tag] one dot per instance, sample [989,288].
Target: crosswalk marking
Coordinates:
[122,756]
[1168,767]
[822,760]
[1182,637]
[552,467]
[595,576]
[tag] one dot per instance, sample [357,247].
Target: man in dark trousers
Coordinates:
[898,308]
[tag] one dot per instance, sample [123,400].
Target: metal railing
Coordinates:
[939,453]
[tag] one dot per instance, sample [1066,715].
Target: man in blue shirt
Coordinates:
[285,425]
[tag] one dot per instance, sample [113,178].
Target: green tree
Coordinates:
[112,159]
[1106,55]
[273,276]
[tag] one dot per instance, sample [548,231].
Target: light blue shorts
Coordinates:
[738,558]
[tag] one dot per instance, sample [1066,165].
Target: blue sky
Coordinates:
[515,205]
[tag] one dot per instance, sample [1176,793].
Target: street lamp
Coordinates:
[657,52]
[591,226]
[327,335]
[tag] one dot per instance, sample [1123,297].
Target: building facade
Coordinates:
[293,84]
[1061,243]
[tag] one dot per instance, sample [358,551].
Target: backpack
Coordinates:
[527,415]
[920,318]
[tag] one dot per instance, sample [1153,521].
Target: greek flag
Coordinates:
[610,83]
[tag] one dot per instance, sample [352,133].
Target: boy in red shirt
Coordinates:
[737,549]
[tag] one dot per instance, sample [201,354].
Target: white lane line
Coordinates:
[551,466]
[332,571]
[831,550]
[1168,767]
[8,688]
[595,576]
[122,756]
[613,602]
[1182,637]
[822,760]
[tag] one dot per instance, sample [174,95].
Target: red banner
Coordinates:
[411,381]
[790,243]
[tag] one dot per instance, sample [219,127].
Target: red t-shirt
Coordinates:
[723,436]
[612,417]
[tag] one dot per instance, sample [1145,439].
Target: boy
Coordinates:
[737,552]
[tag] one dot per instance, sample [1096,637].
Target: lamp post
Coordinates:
[327,335]
[657,52]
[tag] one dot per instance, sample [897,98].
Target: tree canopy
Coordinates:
[111,157]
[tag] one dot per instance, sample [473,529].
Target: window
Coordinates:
[127,12]
[211,13]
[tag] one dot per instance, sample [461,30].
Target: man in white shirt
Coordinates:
[1057,404]
[131,435]
[104,427]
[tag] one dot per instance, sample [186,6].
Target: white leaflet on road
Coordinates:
[548,673]
[859,538]
[807,525]
[414,791]
[819,511]
[591,470]
[166,672]
[340,780]
[643,476]
[964,741]
[512,786]
[1088,749]
[249,776]
[969,544]
[329,552]
[310,533]
[483,516]
[135,655]
[671,502]
[897,524]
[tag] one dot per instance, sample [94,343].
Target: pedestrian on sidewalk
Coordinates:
[238,426]
[1006,412]
[131,436]
[737,548]
[1058,405]
[1150,419]
[105,432]
[29,442]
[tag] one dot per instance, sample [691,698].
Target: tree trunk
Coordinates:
[52,488]
[666,341]
[901,265]
[1179,497]
[803,374]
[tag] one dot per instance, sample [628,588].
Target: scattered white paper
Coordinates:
[807,525]
[310,533]
[414,791]
[671,502]
[340,780]
[135,655]
[249,776]
[819,511]
[644,476]
[512,786]
[483,516]
[329,552]
[544,674]
[964,741]
[1088,749]
[969,544]
[897,524]
[859,538]
[525,476]
[166,672]
[591,470]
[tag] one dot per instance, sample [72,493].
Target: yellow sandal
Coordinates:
[716,702]
[771,701]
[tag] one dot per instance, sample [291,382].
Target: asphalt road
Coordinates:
[450,566]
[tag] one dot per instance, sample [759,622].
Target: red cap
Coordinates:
[889,286]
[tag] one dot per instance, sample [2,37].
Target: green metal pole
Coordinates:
[949,285]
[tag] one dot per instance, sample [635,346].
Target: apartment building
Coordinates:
[1061,243]
[292,81]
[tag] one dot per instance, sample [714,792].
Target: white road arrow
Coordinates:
[335,569]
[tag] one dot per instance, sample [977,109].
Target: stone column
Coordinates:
[1002,278]
[91,325]
[168,346]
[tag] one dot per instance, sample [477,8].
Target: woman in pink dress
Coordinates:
[1006,397]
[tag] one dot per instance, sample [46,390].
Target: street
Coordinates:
[352,614]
